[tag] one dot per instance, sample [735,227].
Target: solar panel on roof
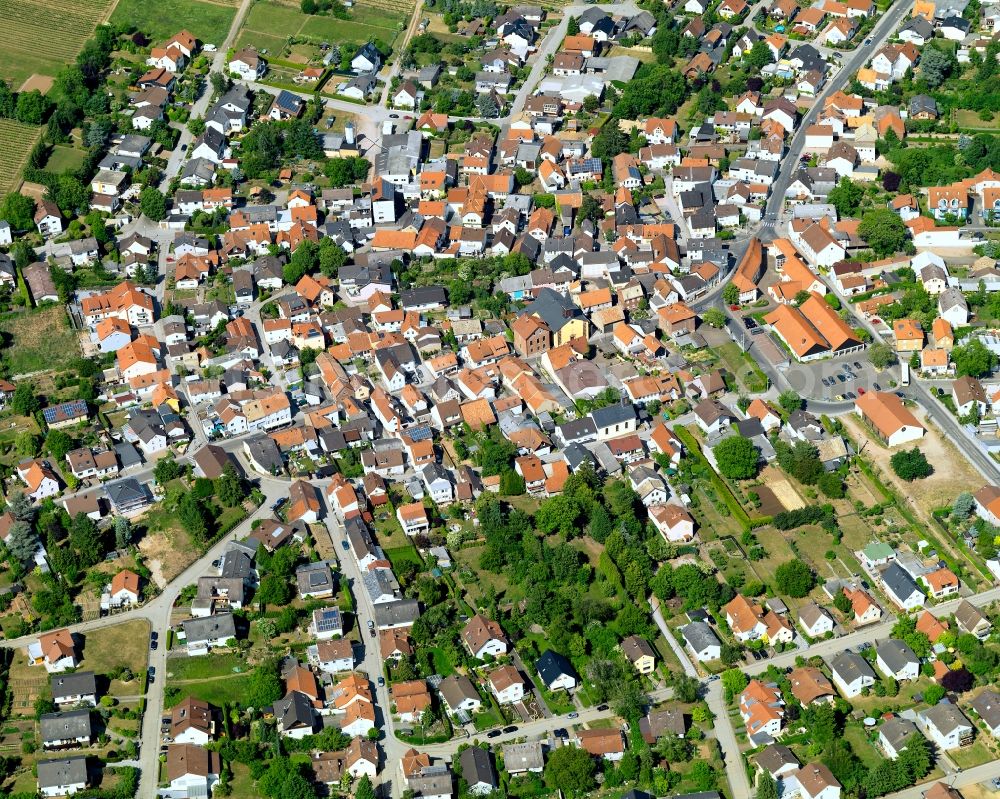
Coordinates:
[421,433]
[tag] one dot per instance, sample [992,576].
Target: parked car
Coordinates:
[560,732]
[493,733]
[345,546]
[510,729]
[573,715]
[861,390]
[371,624]
[381,681]
[602,708]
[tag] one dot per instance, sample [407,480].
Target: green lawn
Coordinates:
[41,340]
[269,24]
[969,756]
[487,719]
[209,22]
[855,735]
[124,644]
[200,668]
[218,692]
[65,159]
[442,665]
[749,375]
[405,554]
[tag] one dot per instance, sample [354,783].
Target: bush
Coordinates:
[790,519]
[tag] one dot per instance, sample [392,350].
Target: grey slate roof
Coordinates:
[65,771]
[477,767]
[65,726]
[699,635]
[896,730]
[896,654]
[80,683]
[849,666]
[898,581]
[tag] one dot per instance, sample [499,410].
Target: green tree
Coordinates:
[734,682]
[610,141]
[153,204]
[713,317]
[558,514]
[20,507]
[881,355]
[731,294]
[767,787]
[911,464]
[27,444]
[933,694]
[274,591]
[32,107]
[571,770]
[264,686]
[229,487]
[22,543]
[194,517]
[364,789]
[166,469]
[963,505]
[831,484]
[737,457]
[846,197]
[794,578]
[935,66]
[19,211]
[85,539]
[842,603]
[123,532]
[974,359]
[58,443]
[883,230]
[25,402]
[345,171]
[759,56]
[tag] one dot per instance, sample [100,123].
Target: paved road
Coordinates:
[849,66]
[201,104]
[959,779]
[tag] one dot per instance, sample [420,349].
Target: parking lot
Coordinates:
[843,378]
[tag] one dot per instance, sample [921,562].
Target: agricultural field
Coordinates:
[40,36]
[209,22]
[270,23]
[16,141]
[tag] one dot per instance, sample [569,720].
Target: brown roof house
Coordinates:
[483,636]
[608,743]
[890,419]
